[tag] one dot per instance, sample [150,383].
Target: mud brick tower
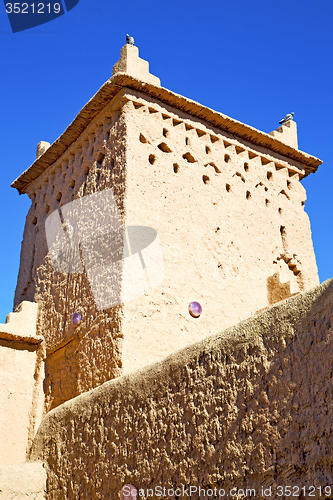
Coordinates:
[224,198]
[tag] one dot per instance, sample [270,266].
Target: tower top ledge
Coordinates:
[131,64]
[132,72]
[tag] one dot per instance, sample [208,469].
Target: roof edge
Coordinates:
[114,85]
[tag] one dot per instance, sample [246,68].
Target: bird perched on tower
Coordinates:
[288,117]
[129,40]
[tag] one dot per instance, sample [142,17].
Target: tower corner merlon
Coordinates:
[131,64]
[287,133]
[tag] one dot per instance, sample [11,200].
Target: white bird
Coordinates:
[129,40]
[288,117]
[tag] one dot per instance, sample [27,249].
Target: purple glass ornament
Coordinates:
[195,309]
[76,319]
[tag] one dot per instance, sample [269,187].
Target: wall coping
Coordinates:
[122,80]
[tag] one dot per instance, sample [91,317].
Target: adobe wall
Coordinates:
[249,407]
[18,363]
[231,222]
[85,357]
[21,383]
[25,481]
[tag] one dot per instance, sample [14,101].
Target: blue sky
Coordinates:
[254,61]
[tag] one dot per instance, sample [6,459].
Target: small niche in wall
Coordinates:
[246,167]
[187,141]
[212,164]
[47,209]
[228,187]
[59,195]
[248,195]
[166,132]
[176,168]
[188,127]
[176,122]
[188,157]
[269,175]
[200,132]
[205,179]
[226,158]
[267,202]
[100,158]
[152,159]
[208,150]
[86,170]
[72,183]
[238,174]
[284,194]
[213,138]
[142,139]
[34,220]
[164,147]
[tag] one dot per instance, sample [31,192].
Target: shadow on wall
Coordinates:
[287,281]
[276,290]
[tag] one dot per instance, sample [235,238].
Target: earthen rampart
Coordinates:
[248,408]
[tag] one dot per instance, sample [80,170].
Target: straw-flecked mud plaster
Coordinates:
[250,407]
[26,481]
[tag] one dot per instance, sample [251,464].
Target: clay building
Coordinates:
[223,210]
[226,202]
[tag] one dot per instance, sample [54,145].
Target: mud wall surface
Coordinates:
[251,407]
[17,371]
[231,224]
[81,358]
[26,481]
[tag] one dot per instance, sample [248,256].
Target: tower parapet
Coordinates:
[131,64]
[287,133]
